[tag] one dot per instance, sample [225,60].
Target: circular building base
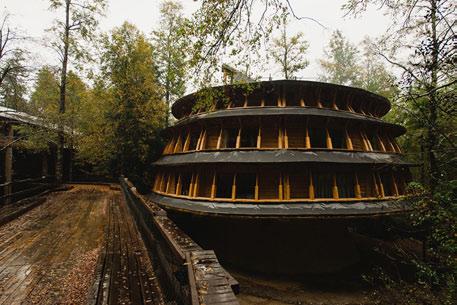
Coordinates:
[273,246]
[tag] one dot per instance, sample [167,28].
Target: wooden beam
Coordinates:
[381,186]
[234,187]
[348,139]
[213,187]
[238,138]
[280,190]
[196,184]
[256,192]
[357,189]
[219,139]
[329,139]
[311,186]
[186,143]
[394,183]
[179,185]
[335,188]
[259,136]
[307,139]
[286,137]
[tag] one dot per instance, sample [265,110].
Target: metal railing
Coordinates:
[23,188]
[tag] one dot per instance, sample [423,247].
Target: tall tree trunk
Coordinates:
[63,91]
[433,103]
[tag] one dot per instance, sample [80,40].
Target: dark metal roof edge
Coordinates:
[285,210]
[191,97]
[282,156]
[289,111]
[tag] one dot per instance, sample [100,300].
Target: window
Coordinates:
[163,183]
[296,137]
[171,184]
[338,138]
[387,183]
[212,136]
[346,185]
[224,183]
[374,141]
[193,140]
[205,182]
[299,185]
[179,144]
[248,137]
[245,186]
[268,186]
[229,136]
[186,179]
[356,139]
[323,185]
[366,182]
[318,137]
[269,135]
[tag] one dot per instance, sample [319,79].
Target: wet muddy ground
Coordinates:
[79,246]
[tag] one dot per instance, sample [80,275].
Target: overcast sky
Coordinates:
[33,17]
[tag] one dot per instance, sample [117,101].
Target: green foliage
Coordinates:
[289,53]
[347,65]
[341,65]
[137,112]
[170,50]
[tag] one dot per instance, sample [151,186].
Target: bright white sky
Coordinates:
[33,17]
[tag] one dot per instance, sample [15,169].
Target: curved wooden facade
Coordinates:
[283,142]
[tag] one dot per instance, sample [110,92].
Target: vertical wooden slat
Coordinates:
[213,187]
[376,187]
[280,137]
[329,139]
[256,194]
[238,138]
[357,190]
[335,188]
[219,139]
[196,184]
[186,143]
[234,187]
[280,186]
[348,140]
[307,139]
[179,185]
[311,186]
[394,183]
[286,138]
[381,186]
[200,137]
[259,136]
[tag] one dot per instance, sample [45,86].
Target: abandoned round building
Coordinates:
[291,158]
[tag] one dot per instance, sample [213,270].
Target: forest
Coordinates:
[109,96]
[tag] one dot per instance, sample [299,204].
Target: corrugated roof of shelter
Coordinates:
[17,116]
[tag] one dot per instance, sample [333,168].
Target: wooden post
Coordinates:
[394,182]
[311,186]
[8,172]
[256,194]
[213,187]
[179,186]
[238,138]
[348,140]
[280,188]
[234,187]
[186,143]
[219,139]
[329,139]
[307,140]
[259,136]
[358,191]
[381,186]
[335,188]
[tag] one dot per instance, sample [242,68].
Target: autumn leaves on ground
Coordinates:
[50,255]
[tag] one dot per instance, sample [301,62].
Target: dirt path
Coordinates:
[51,254]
